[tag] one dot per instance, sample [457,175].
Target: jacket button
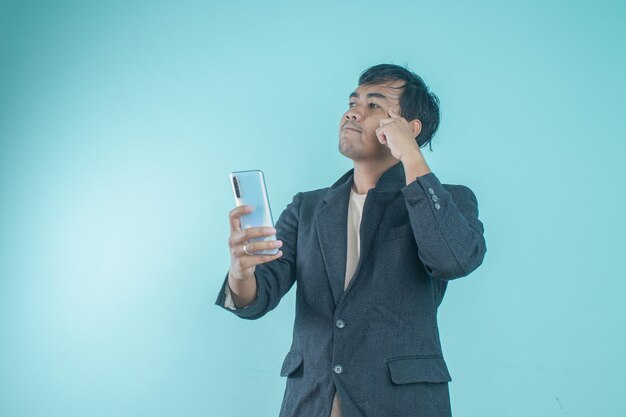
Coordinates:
[340,324]
[430,190]
[437,206]
[435,198]
[338,369]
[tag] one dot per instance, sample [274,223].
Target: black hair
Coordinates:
[416,101]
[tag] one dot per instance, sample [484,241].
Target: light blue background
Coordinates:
[119,123]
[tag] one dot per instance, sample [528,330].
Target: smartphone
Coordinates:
[249,189]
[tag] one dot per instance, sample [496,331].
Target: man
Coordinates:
[372,255]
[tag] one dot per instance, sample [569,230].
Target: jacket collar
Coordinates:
[392,180]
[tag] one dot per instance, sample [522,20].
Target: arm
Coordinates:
[233,301]
[446,227]
[271,280]
[445,223]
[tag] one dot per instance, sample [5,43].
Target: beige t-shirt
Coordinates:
[355,212]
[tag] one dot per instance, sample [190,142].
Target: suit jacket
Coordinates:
[376,343]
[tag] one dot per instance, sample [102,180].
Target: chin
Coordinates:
[349,151]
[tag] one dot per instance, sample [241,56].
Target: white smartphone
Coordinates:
[249,189]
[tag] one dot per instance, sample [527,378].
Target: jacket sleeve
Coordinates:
[274,279]
[449,236]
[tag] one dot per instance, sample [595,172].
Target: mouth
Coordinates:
[348,127]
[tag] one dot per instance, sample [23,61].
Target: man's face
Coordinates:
[368,104]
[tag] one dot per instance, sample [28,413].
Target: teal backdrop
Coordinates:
[119,124]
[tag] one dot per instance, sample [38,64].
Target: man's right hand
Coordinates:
[243,261]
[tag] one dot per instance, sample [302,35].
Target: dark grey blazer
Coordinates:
[377,342]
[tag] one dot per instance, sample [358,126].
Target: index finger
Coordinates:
[235,214]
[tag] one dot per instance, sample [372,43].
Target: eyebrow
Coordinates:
[377,95]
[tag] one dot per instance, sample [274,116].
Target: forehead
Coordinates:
[390,90]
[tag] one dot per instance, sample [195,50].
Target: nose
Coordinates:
[354,114]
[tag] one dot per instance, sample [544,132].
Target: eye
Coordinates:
[351,104]
[374,106]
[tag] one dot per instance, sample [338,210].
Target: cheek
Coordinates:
[370,127]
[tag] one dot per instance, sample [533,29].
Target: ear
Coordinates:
[417,127]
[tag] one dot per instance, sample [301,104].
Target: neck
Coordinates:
[367,173]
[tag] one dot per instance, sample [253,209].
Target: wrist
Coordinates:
[241,277]
[411,156]
[414,166]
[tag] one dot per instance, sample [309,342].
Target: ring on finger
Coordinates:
[245,249]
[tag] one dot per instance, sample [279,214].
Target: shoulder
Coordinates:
[314,195]
[309,200]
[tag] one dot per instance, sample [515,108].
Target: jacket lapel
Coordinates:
[332,228]
[332,219]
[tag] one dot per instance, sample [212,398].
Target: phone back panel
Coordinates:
[253,192]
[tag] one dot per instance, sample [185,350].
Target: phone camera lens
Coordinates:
[236,185]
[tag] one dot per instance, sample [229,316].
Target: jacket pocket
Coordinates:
[409,369]
[292,362]
[388,233]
